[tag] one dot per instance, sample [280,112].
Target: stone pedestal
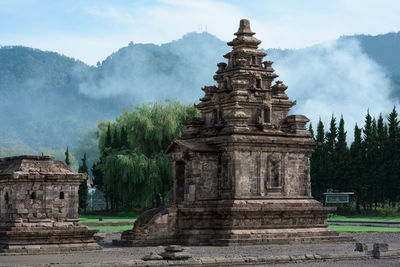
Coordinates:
[235,222]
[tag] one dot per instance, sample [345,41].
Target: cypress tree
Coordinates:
[67,160]
[318,164]
[330,145]
[83,188]
[381,160]
[342,158]
[320,133]
[369,144]
[374,166]
[392,159]
[356,181]
[331,136]
[311,130]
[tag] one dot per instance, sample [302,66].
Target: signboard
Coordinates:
[337,199]
[333,198]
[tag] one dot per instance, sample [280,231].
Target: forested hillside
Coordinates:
[49,101]
[41,105]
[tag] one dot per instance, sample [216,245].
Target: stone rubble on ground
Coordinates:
[172,252]
[361,247]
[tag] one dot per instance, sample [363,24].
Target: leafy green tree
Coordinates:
[124,137]
[136,172]
[116,139]
[108,140]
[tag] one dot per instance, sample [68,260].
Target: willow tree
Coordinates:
[133,166]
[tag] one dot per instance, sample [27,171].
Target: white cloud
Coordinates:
[288,24]
[299,24]
[335,78]
[111,12]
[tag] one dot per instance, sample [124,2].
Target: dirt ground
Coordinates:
[111,255]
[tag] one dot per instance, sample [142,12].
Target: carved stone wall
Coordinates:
[36,200]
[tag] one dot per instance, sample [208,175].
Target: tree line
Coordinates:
[132,170]
[369,167]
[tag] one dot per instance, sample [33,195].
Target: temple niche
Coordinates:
[39,207]
[242,169]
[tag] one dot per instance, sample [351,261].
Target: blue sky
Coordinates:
[91,30]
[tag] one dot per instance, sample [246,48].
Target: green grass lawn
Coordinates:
[337,228]
[362,229]
[363,218]
[111,228]
[95,218]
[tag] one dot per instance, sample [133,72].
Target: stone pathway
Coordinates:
[220,256]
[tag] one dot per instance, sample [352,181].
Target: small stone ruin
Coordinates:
[242,170]
[39,207]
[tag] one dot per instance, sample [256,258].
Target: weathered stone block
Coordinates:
[361,247]
[381,247]
[152,256]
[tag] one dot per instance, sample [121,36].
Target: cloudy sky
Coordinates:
[90,30]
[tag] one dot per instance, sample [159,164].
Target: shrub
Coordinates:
[344,210]
[131,214]
[387,211]
[122,214]
[331,215]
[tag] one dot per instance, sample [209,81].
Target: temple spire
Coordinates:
[244,37]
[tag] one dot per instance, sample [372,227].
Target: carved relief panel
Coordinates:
[298,175]
[274,179]
[225,167]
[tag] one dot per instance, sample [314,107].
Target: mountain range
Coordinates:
[50,101]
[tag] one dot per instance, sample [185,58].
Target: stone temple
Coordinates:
[39,207]
[242,170]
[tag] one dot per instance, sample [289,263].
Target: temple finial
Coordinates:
[244,27]
[244,36]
